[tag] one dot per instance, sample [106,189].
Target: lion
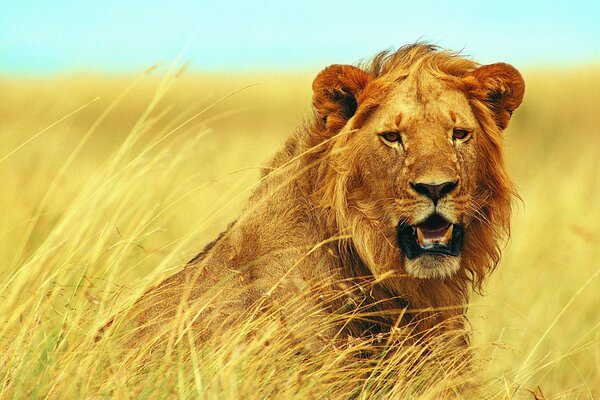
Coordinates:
[393,193]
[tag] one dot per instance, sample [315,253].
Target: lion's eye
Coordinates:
[461,135]
[391,138]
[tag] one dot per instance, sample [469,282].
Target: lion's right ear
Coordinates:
[335,93]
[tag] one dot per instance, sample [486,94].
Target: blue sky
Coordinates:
[122,36]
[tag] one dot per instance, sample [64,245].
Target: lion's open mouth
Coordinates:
[435,235]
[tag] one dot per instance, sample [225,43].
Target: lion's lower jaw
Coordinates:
[432,266]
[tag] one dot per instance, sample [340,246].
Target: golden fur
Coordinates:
[323,218]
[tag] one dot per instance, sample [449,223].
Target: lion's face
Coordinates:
[419,170]
[418,152]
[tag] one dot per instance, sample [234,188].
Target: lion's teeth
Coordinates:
[448,234]
[420,237]
[428,239]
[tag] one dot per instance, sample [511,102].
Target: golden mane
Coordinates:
[416,57]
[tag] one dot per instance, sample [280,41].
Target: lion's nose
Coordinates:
[434,191]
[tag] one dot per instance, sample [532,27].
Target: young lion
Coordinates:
[392,198]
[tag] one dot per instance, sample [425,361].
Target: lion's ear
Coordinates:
[335,93]
[502,87]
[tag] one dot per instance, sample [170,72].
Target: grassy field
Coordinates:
[109,184]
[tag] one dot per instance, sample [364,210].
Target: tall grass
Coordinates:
[110,184]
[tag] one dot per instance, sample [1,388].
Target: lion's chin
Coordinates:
[432,266]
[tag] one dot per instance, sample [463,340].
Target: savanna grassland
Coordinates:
[108,184]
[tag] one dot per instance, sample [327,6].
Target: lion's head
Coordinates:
[413,165]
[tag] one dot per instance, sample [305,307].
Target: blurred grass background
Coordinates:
[109,199]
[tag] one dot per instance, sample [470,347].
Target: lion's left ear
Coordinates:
[502,87]
[335,93]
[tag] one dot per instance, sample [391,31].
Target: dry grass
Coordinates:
[99,204]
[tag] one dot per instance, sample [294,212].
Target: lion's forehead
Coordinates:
[425,104]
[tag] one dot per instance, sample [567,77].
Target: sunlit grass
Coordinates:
[110,184]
